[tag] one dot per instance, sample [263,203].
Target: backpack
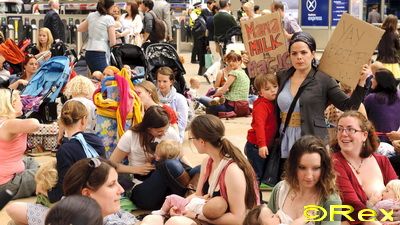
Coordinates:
[200,27]
[160,28]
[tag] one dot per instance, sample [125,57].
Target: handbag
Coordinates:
[241,107]
[273,161]
[208,59]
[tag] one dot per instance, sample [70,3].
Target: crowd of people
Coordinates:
[119,139]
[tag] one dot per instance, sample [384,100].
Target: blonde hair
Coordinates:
[49,42]
[6,108]
[47,175]
[395,186]
[168,149]
[151,88]
[80,86]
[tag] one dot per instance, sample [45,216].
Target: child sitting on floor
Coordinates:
[46,179]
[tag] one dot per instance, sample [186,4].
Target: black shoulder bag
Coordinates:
[273,161]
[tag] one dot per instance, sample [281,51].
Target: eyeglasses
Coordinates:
[347,130]
[192,138]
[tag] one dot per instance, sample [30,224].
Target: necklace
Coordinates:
[358,169]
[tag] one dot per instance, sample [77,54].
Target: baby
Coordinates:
[194,87]
[167,149]
[45,178]
[389,198]
[211,208]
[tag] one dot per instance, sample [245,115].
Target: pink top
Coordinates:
[11,155]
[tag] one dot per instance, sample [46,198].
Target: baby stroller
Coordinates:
[163,54]
[39,96]
[133,56]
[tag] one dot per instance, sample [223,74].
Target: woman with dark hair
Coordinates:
[169,96]
[95,178]
[75,209]
[389,46]
[101,35]
[225,172]
[132,24]
[151,184]
[30,66]
[384,100]
[361,173]
[308,180]
[318,90]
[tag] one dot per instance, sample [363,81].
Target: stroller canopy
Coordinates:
[49,79]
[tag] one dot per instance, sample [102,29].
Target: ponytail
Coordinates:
[252,197]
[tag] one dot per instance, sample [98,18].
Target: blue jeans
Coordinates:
[214,109]
[255,160]
[96,61]
[150,194]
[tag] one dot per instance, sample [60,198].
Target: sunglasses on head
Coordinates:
[93,164]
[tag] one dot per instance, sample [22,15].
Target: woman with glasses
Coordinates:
[95,178]
[151,184]
[16,171]
[30,66]
[361,173]
[225,172]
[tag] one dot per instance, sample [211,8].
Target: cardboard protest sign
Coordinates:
[266,44]
[351,46]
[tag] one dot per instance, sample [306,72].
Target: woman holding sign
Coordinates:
[312,90]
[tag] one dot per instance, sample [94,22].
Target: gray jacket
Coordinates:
[320,91]
[163,11]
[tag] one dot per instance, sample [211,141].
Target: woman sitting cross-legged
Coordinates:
[151,184]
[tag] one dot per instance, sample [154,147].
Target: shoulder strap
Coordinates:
[90,152]
[221,181]
[208,169]
[293,104]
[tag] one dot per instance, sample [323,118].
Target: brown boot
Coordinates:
[183,179]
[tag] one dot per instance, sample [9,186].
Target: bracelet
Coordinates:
[197,216]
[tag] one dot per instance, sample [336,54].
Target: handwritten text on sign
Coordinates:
[350,47]
[266,44]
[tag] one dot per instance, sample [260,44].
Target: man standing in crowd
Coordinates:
[223,21]
[289,23]
[374,16]
[163,11]
[193,17]
[53,21]
[149,30]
